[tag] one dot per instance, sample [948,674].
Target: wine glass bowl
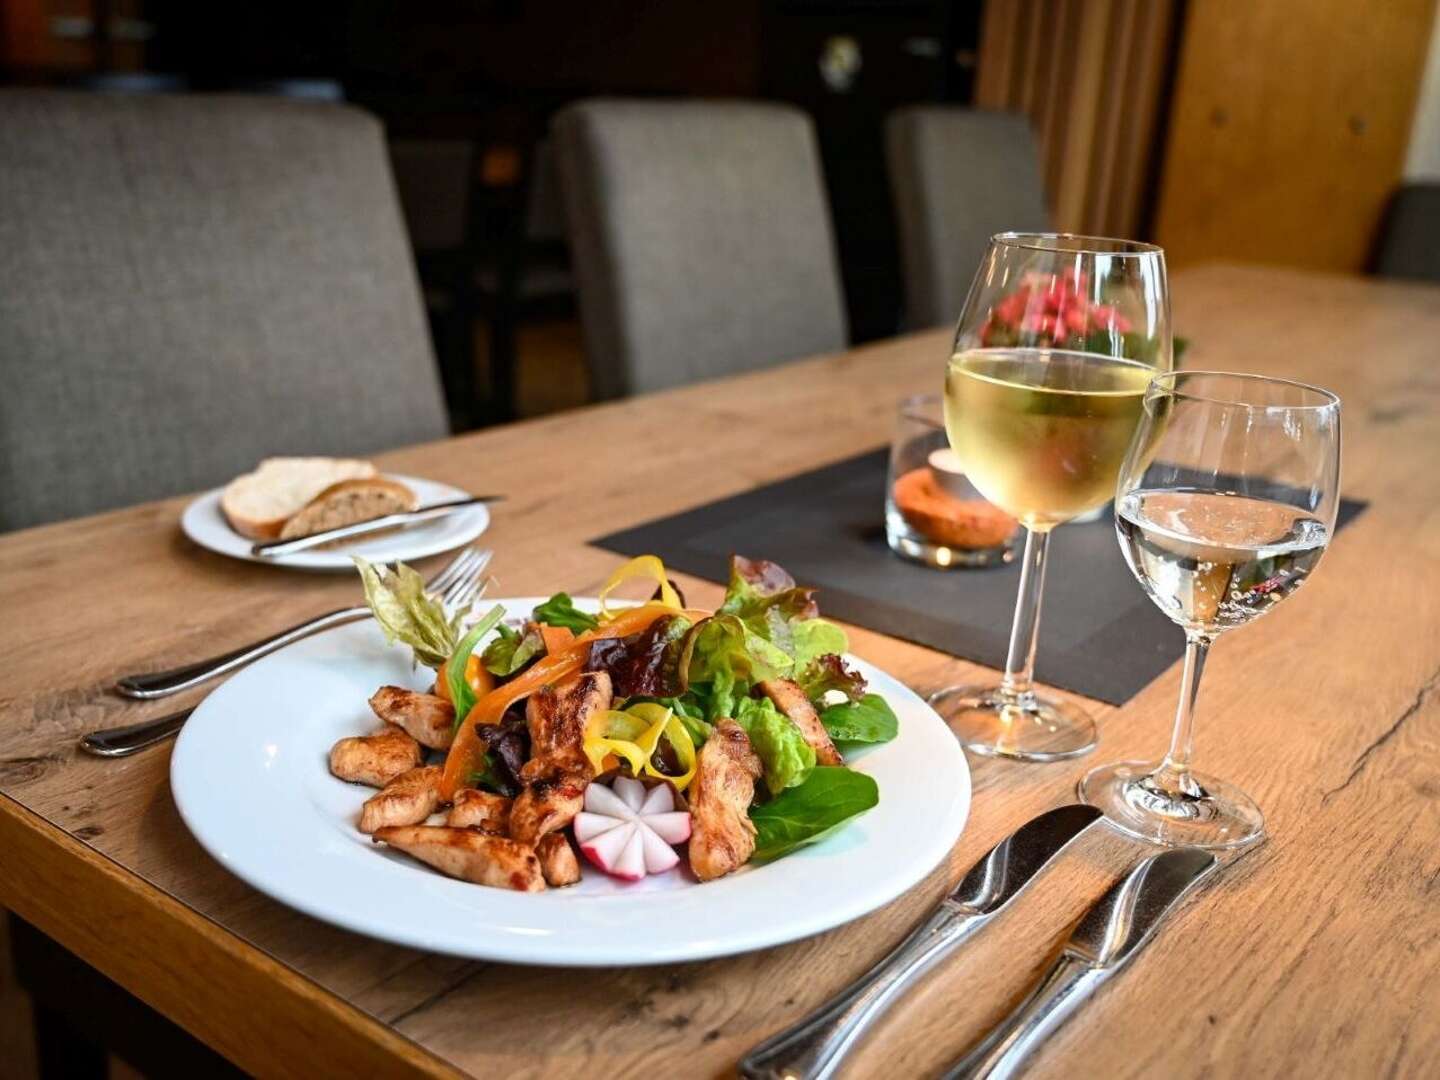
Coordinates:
[1225,505]
[1054,349]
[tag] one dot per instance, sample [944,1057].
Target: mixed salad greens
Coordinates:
[675,671]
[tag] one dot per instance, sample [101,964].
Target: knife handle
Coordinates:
[814,1048]
[1003,1052]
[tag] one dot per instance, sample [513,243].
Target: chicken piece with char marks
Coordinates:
[722,837]
[469,855]
[374,759]
[475,809]
[407,800]
[557,860]
[427,718]
[790,699]
[558,771]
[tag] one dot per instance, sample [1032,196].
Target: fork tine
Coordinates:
[444,577]
[463,593]
[457,570]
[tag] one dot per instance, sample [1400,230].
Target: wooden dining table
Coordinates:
[1316,954]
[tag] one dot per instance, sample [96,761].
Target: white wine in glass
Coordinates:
[1058,340]
[1042,433]
[1226,502]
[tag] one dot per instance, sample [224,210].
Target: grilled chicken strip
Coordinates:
[791,700]
[722,837]
[407,800]
[374,759]
[475,809]
[469,855]
[558,770]
[429,719]
[557,860]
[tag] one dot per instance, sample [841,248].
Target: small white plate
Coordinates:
[204,522]
[250,778]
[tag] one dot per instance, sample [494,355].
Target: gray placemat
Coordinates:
[1099,635]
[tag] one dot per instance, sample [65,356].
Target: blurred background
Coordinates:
[1266,131]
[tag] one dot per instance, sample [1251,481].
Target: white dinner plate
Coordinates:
[204,523]
[250,778]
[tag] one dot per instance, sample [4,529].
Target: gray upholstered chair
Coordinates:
[1410,237]
[188,284]
[959,176]
[701,239]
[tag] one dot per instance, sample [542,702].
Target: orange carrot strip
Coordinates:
[467,752]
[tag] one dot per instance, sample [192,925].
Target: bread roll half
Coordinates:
[258,504]
[350,502]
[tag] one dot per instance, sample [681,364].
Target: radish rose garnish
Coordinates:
[627,831]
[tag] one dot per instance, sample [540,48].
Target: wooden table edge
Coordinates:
[264,1016]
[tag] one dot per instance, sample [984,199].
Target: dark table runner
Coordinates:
[1099,634]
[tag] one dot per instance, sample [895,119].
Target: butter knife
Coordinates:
[1112,932]
[273,549]
[815,1047]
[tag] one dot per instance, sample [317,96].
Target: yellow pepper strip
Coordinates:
[642,566]
[619,733]
[634,736]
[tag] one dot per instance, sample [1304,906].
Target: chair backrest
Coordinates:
[701,239]
[1409,244]
[959,176]
[189,284]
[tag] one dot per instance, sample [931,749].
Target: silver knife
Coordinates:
[1105,940]
[815,1047]
[272,549]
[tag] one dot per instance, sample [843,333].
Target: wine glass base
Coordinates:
[1025,727]
[1219,816]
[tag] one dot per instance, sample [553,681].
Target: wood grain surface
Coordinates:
[1314,955]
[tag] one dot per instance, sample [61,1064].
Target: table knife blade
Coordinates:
[1108,937]
[815,1047]
[274,549]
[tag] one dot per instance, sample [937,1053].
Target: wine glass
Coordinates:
[1058,340]
[1225,504]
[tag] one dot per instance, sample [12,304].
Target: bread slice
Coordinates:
[349,502]
[259,504]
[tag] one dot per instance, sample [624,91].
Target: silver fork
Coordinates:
[460,583]
[469,564]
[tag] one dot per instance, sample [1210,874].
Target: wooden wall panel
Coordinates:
[1091,75]
[1289,128]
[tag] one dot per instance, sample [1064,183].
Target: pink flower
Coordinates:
[1010,309]
[1038,323]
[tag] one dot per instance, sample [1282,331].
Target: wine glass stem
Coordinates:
[1173,776]
[1020,660]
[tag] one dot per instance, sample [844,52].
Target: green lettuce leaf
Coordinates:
[814,638]
[460,693]
[407,613]
[832,796]
[560,610]
[723,657]
[869,720]
[782,749]
[766,599]
[827,673]
[512,650]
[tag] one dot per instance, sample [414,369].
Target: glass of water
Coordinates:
[1226,502]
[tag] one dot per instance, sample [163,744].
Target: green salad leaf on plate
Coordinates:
[869,720]
[782,749]
[831,796]
[560,610]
